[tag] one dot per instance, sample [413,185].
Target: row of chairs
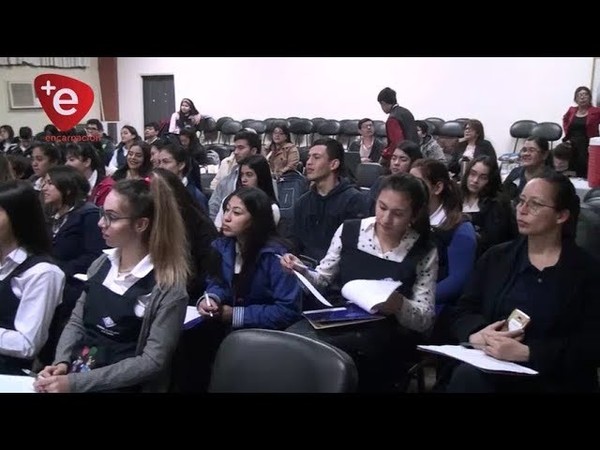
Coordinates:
[521,129]
[303,131]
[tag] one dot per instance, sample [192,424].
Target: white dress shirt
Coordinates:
[40,290]
[120,283]
[416,314]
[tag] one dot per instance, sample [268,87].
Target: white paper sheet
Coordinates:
[16,384]
[478,358]
[368,293]
[311,288]
[192,317]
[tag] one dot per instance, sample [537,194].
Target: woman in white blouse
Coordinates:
[395,244]
[31,286]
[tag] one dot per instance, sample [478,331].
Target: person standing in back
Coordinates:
[580,123]
[399,126]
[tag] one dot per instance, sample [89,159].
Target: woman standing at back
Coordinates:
[580,123]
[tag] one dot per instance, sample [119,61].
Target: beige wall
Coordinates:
[37,118]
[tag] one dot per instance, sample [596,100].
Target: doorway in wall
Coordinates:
[159,97]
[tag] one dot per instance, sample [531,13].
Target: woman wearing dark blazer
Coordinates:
[489,208]
[552,280]
[580,123]
[471,146]
[76,239]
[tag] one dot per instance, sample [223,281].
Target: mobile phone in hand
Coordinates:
[517,320]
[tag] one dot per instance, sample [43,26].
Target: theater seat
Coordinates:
[269,361]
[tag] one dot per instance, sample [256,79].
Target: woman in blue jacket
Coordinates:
[454,235]
[248,287]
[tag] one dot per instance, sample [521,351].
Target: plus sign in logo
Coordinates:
[64,99]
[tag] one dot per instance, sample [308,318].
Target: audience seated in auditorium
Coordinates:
[395,244]
[124,329]
[31,284]
[368,145]
[76,238]
[485,203]
[200,232]
[6,171]
[404,155]
[8,142]
[137,163]
[187,117]
[454,236]
[472,145]
[247,287]
[151,130]
[129,136]
[24,143]
[254,172]
[175,159]
[245,143]
[106,147]
[86,160]
[533,157]
[281,153]
[43,156]
[330,201]
[562,159]
[429,146]
[548,277]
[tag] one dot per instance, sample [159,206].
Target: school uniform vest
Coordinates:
[9,303]
[111,327]
[356,264]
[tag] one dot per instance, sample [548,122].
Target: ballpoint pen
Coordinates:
[208,303]
[474,346]
[30,373]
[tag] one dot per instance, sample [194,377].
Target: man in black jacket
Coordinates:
[330,200]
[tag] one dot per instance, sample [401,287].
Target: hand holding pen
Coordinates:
[290,263]
[207,307]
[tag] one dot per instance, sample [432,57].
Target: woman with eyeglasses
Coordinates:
[533,158]
[580,124]
[281,153]
[124,329]
[547,276]
[31,285]
[76,239]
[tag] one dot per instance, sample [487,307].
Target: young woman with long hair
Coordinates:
[125,327]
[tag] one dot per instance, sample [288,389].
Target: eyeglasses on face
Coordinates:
[533,206]
[109,218]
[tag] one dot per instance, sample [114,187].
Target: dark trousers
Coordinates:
[469,379]
[194,356]
[382,353]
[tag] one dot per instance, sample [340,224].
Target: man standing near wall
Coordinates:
[400,124]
